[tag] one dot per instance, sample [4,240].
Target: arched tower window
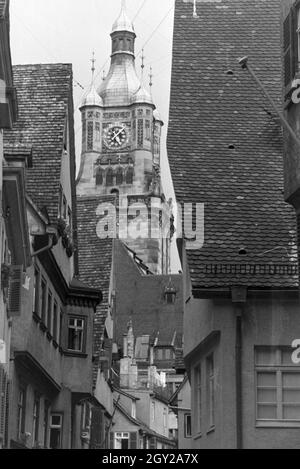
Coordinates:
[110,177]
[119,176]
[129,175]
[99,176]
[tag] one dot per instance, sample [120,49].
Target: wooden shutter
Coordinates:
[290,46]
[112,439]
[133,440]
[15,289]
[97,434]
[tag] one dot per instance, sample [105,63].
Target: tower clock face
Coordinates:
[116,136]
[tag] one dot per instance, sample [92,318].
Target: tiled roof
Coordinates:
[224,145]
[43,95]
[95,261]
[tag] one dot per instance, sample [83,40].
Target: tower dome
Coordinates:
[142,96]
[92,98]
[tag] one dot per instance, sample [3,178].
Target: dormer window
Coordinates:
[170,293]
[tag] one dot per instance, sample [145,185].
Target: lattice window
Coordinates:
[90,137]
[140,132]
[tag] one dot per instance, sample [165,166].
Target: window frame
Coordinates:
[279,369]
[56,427]
[83,329]
[198,387]
[36,419]
[21,416]
[210,381]
[186,433]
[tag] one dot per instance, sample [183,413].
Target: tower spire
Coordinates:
[93,60]
[151,79]
[143,63]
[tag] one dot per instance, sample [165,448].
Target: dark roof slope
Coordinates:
[224,145]
[95,260]
[44,92]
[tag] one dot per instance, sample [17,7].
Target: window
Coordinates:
[64,208]
[54,327]
[198,398]
[56,421]
[49,314]
[140,132]
[187,426]
[277,386]
[99,176]
[153,411]
[122,440]
[119,176]
[211,389]
[148,130]
[75,337]
[133,409]
[44,300]
[60,326]
[36,419]
[90,137]
[36,291]
[21,412]
[97,132]
[129,175]
[110,177]
[46,422]
[165,419]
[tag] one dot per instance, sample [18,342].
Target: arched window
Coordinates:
[99,177]
[110,177]
[129,175]
[119,176]
[90,138]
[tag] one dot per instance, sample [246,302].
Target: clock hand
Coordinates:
[123,128]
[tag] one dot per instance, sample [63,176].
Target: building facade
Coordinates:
[51,390]
[241,283]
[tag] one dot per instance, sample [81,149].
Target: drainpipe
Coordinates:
[239,298]
[238,374]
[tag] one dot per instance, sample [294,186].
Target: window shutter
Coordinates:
[97,436]
[15,288]
[133,440]
[152,443]
[112,438]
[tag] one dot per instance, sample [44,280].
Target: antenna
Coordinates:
[143,62]
[151,78]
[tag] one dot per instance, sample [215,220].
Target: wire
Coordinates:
[155,30]
[45,48]
[140,9]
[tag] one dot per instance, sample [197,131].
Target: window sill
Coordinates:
[49,337]
[197,437]
[211,430]
[70,353]
[277,424]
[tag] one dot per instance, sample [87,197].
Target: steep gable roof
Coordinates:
[95,260]
[226,148]
[44,92]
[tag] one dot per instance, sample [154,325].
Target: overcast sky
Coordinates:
[68,31]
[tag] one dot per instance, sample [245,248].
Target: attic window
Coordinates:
[170,293]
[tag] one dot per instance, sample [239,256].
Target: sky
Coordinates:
[68,31]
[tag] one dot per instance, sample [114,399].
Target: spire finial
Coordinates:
[151,78]
[103,75]
[93,60]
[143,62]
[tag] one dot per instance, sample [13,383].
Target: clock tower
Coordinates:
[121,138]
